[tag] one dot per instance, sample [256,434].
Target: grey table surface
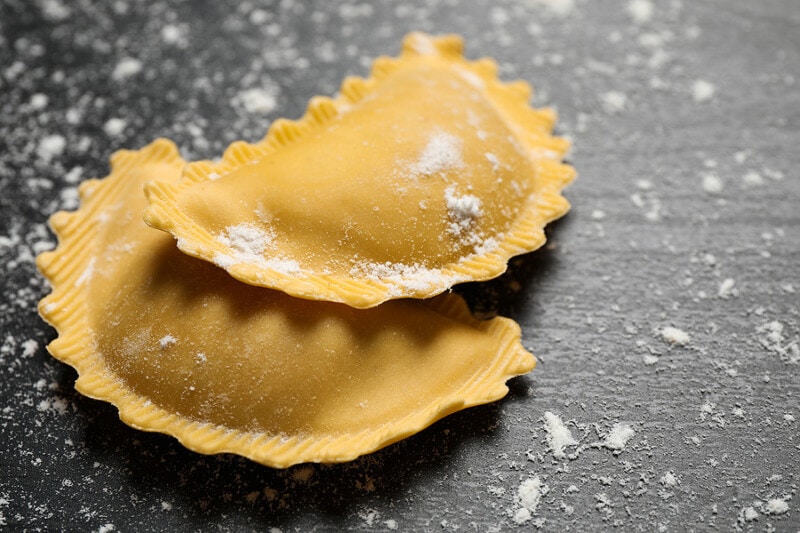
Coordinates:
[685,118]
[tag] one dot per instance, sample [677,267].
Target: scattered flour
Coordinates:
[522,516]
[669,480]
[618,437]
[649,359]
[29,348]
[50,147]
[443,152]
[702,91]
[675,336]
[369,516]
[753,179]
[126,68]
[727,289]
[462,210]
[415,278]
[712,183]
[709,260]
[38,102]
[258,100]
[776,506]
[749,514]
[641,11]
[167,341]
[771,336]
[614,102]
[558,435]
[54,10]
[74,175]
[115,126]
[529,494]
[248,241]
[174,35]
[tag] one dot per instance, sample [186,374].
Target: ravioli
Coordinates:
[429,173]
[182,348]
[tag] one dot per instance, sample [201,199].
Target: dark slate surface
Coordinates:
[685,118]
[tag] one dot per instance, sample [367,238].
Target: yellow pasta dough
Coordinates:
[430,173]
[180,347]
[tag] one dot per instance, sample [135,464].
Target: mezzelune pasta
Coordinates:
[429,173]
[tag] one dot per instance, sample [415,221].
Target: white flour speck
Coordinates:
[74,175]
[558,435]
[443,152]
[115,126]
[258,100]
[248,241]
[403,277]
[284,266]
[727,289]
[54,10]
[618,437]
[675,336]
[669,480]
[126,68]
[772,337]
[614,102]
[369,516]
[522,516]
[776,506]
[51,146]
[712,183]
[38,101]
[753,179]
[702,91]
[174,35]
[462,210]
[749,514]
[529,494]
[641,11]
[167,341]
[29,348]
[649,359]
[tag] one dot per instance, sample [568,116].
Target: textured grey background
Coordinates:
[680,189]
